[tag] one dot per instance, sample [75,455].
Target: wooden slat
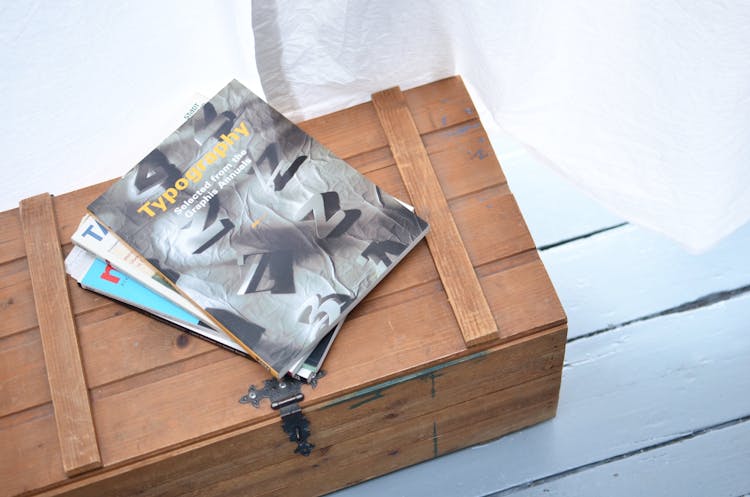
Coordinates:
[75,426]
[456,271]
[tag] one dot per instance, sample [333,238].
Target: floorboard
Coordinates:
[628,273]
[713,462]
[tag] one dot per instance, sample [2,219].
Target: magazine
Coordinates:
[96,239]
[97,275]
[259,225]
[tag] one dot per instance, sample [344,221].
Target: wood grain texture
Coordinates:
[11,237]
[369,423]
[453,264]
[397,444]
[75,426]
[440,104]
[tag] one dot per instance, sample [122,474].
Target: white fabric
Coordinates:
[89,88]
[645,104]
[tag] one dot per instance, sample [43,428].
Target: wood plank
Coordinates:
[17,303]
[453,264]
[391,446]
[372,160]
[139,339]
[624,390]
[463,159]
[440,104]
[29,447]
[17,312]
[461,156]
[522,299]
[126,431]
[75,427]
[356,130]
[147,344]
[23,376]
[11,239]
[713,463]
[650,274]
[396,446]
[16,298]
[501,231]
[348,132]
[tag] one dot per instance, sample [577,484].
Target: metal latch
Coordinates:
[285,396]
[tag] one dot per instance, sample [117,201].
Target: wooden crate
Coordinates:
[116,403]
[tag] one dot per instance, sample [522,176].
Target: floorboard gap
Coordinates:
[705,301]
[693,434]
[580,237]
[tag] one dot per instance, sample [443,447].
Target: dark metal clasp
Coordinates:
[284,396]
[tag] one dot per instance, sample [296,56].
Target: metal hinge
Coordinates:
[285,396]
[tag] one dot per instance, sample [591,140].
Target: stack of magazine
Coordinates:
[242,229]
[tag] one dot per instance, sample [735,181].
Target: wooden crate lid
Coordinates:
[156,391]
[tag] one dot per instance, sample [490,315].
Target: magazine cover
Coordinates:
[273,236]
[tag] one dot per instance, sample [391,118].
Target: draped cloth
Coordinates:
[645,105]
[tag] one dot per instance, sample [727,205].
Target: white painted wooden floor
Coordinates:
[655,396]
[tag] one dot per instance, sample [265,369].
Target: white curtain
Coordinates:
[89,88]
[644,104]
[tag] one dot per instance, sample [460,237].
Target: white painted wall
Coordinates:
[89,88]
